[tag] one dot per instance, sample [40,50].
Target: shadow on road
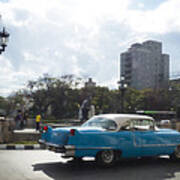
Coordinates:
[146,169]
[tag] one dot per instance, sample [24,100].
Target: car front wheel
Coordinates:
[105,158]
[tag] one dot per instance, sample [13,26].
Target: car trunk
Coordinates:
[59,136]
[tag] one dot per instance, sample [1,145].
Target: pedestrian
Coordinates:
[18,120]
[38,119]
[80,114]
[91,111]
[25,116]
[85,107]
[21,122]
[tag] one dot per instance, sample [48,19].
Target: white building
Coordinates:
[144,66]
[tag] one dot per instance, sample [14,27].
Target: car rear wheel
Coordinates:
[106,158]
[176,154]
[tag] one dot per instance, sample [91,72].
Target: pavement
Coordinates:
[47,165]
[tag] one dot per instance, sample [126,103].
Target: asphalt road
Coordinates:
[42,165]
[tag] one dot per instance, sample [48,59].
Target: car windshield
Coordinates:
[101,122]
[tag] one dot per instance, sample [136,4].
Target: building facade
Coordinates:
[90,83]
[144,66]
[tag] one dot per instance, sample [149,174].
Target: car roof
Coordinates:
[121,119]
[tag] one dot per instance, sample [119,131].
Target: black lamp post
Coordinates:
[4,35]
[122,88]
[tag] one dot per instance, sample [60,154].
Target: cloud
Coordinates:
[81,37]
[146,5]
[164,19]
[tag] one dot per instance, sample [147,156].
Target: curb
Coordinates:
[20,147]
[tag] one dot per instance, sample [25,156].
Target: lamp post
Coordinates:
[174,93]
[4,35]
[122,88]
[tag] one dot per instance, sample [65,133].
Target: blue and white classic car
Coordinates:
[109,137]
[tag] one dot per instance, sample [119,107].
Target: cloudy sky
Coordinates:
[82,37]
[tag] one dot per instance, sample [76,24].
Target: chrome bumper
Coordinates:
[67,150]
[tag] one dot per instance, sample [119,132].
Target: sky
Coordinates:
[82,37]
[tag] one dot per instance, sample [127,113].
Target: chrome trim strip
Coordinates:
[69,154]
[49,144]
[69,147]
[54,145]
[94,148]
[158,145]
[151,145]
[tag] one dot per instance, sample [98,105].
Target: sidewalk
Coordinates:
[23,135]
[31,135]
[20,147]
[26,131]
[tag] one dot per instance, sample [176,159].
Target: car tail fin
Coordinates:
[46,128]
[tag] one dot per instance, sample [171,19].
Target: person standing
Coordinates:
[85,107]
[91,111]
[38,119]
[18,120]
[80,114]
[25,117]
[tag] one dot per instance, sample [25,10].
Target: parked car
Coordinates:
[2,118]
[165,122]
[109,137]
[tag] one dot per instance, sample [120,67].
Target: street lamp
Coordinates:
[4,35]
[122,88]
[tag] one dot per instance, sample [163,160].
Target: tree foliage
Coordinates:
[61,97]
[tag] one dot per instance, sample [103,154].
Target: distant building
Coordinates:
[90,83]
[144,66]
[175,81]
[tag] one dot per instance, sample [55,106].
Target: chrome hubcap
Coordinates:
[107,156]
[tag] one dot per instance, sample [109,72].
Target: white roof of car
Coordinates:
[121,119]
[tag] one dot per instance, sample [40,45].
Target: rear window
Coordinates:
[101,122]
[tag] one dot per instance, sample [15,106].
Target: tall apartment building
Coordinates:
[144,66]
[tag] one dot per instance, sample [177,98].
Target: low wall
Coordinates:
[6,131]
[30,123]
[22,136]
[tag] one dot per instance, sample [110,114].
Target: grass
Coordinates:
[24,142]
[58,120]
